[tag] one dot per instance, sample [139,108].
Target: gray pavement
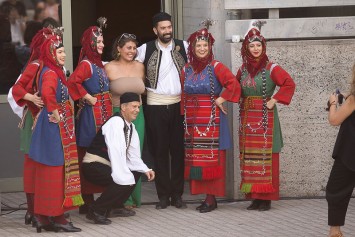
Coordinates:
[294,217]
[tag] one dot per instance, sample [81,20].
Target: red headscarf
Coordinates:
[198,64]
[253,64]
[89,45]
[37,42]
[49,57]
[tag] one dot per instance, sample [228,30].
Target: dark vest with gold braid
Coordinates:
[153,58]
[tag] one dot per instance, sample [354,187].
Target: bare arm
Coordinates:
[338,114]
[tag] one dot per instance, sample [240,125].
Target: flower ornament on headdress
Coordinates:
[253,65]
[89,42]
[198,64]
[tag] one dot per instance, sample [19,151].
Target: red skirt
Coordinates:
[49,190]
[275,182]
[86,186]
[215,187]
[29,173]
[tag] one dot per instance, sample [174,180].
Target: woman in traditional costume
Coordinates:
[341,181]
[127,75]
[260,139]
[206,127]
[89,84]
[53,145]
[23,97]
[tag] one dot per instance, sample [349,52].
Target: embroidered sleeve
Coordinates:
[81,73]
[24,84]
[285,82]
[229,82]
[49,90]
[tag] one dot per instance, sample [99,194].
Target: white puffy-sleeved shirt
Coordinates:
[123,160]
[169,76]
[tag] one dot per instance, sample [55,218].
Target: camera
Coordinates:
[340,99]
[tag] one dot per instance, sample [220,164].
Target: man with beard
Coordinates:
[163,59]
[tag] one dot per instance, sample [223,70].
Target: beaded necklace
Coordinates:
[63,116]
[102,82]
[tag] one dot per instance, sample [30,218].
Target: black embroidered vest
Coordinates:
[153,58]
[98,146]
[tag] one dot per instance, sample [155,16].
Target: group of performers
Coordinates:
[185,118]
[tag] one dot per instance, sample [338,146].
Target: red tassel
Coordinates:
[262,188]
[68,202]
[187,173]
[209,173]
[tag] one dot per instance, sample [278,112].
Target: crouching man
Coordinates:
[113,160]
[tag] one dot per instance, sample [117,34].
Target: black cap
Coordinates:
[129,97]
[161,16]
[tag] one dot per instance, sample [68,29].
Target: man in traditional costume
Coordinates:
[113,160]
[163,59]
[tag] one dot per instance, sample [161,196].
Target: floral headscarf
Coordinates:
[198,64]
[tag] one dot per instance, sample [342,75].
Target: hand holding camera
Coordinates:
[335,98]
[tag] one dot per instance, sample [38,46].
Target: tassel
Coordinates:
[209,173]
[187,173]
[68,202]
[196,173]
[245,188]
[262,188]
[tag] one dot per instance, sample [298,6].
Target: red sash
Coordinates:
[72,189]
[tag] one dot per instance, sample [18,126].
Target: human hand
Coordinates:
[271,103]
[333,98]
[37,100]
[90,99]
[219,103]
[150,175]
[53,119]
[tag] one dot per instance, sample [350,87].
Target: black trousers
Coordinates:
[114,195]
[165,138]
[340,186]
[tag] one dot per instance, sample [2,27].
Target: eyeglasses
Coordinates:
[126,35]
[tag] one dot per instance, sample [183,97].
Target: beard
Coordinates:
[165,38]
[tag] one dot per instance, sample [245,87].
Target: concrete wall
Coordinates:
[318,68]
[196,11]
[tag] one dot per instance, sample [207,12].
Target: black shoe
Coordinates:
[207,207]
[178,203]
[68,227]
[200,206]
[254,204]
[162,204]
[39,225]
[97,218]
[84,209]
[28,218]
[265,205]
[121,212]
